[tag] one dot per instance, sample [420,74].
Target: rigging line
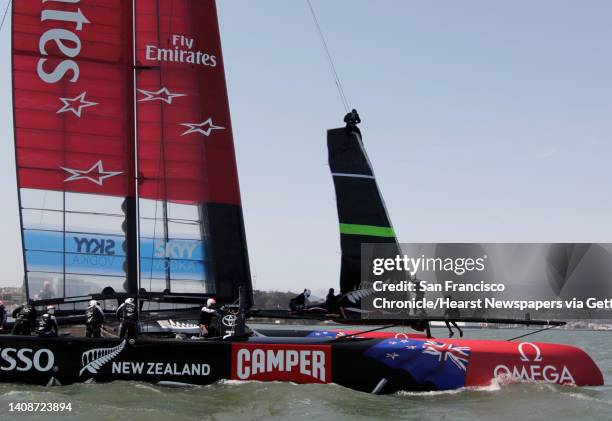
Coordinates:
[330,60]
[4,15]
[532,333]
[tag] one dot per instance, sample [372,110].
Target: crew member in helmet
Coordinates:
[127,314]
[209,318]
[47,324]
[352,120]
[94,317]
[299,303]
[25,318]
[3,315]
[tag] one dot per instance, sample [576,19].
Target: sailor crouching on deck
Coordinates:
[25,318]
[209,319]
[297,304]
[127,314]
[94,318]
[47,324]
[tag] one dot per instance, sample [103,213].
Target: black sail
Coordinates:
[361,209]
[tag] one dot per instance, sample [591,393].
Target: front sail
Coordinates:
[361,210]
[73,119]
[192,234]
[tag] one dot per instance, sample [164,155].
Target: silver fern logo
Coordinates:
[94,359]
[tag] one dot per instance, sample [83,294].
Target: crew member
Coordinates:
[3,315]
[451,315]
[94,317]
[352,120]
[331,302]
[209,318]
[46,293]
[299,303]
[25,318]
[419,295]
[127,314]
[47,324]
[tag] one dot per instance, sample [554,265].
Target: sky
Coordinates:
[485,121]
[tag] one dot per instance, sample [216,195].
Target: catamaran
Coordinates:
[128,187]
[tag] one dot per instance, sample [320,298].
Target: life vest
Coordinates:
[93,316]
[129,312]
[25,313]
[45,324]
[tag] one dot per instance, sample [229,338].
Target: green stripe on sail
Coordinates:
[371,230]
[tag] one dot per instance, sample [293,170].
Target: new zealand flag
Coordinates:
[441,364]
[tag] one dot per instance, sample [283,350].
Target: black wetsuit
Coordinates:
[3,316]
[127,314]
[210,319]
[452,314]
[93,322]
[298,303]
[25,318]
[352,120]
[47,326]
[331,303]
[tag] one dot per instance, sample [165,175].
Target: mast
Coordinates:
[131,200]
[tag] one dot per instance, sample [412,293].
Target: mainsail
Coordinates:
[361,210]
[125,160]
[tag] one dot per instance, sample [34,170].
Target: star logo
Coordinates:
[204,128]
[95,174]
[162,95]
[75,105]
[393,355]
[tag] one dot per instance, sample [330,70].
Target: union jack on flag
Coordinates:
[457,354]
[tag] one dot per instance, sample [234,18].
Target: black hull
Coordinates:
[63,361]
[391,362]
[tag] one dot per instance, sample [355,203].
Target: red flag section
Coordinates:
[73,95]
[185,146]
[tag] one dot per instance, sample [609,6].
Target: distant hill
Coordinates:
[276,299]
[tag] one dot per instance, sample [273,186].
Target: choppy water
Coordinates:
[246,401]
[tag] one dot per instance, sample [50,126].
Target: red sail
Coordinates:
[185,145]
[72,82]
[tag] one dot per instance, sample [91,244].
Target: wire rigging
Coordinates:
[330,60]
[5,12]
[532,333]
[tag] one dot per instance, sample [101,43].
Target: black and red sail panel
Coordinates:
[73,118]
[191,227]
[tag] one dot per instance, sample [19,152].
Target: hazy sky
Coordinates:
[485,121]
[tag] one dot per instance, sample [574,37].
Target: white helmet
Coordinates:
[50,309]
[211,302]
[93,303]
[307,293]
[129,300]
